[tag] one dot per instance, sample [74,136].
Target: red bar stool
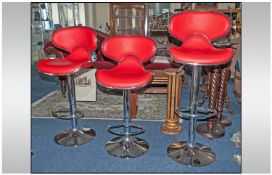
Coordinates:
[129,74]
[79,42]
[197,30]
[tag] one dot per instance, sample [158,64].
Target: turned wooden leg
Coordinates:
[227,100]
[63,85]
[171,125]
[220,119]
[213,95]
[133,104]
[207,89]
[210,129]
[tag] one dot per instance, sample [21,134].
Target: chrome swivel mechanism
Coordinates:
[190,152]
[74,136]
[127,145]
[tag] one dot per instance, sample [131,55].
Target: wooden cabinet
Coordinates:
[128,19]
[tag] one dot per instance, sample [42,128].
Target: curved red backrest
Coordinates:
[72,37]
[213,25]
[118,47]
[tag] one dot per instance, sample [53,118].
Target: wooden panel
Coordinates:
[128,18]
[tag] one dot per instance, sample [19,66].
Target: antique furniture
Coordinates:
[217,93]
[129,74]
[79,42]
[197,30]
[215,87]
[128,19]
[157,30]
[175,79]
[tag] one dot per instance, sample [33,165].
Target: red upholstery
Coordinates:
[128,74]
[197,29]
[78,59]
[213,25]
[71,37]
[198,50]
[79,42]
[130,52]
[118,47]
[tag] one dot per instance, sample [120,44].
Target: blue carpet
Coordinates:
[92,157]
[41,84]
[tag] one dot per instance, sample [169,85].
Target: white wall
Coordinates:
[55,13]
[89,14]
[102,14]
[97,14]
[226,5]
[82,19]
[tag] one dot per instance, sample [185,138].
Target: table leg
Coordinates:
[133,104]
[220,119]
[210,129]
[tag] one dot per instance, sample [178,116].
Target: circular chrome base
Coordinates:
[75,137]
[199,155]
[134,147]
[216,132]
[224,122]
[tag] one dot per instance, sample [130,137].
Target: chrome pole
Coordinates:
[127,117]
[72,100]
[193,103]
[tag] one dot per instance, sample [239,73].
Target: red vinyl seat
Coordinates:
[78,59]
[197,30]
[130,52]
[197,49]
[124,75]
[79,42]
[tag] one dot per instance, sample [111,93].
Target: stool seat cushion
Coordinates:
[78,59]
[128,74]
[197,50]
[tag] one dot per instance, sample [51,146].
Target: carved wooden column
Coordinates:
[206,87]
[63,85]
[210,129]
[171,125]
[220,119]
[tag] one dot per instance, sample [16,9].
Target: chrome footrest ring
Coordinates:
[140,130]
[64,114]
[201,112]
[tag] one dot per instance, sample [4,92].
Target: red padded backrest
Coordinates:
[72,37]
[213,25]
[118,47]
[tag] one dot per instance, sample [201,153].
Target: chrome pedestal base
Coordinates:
[130,148]
[216,132]
[198,155]
[75,137]
[64,114]
[224,122]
